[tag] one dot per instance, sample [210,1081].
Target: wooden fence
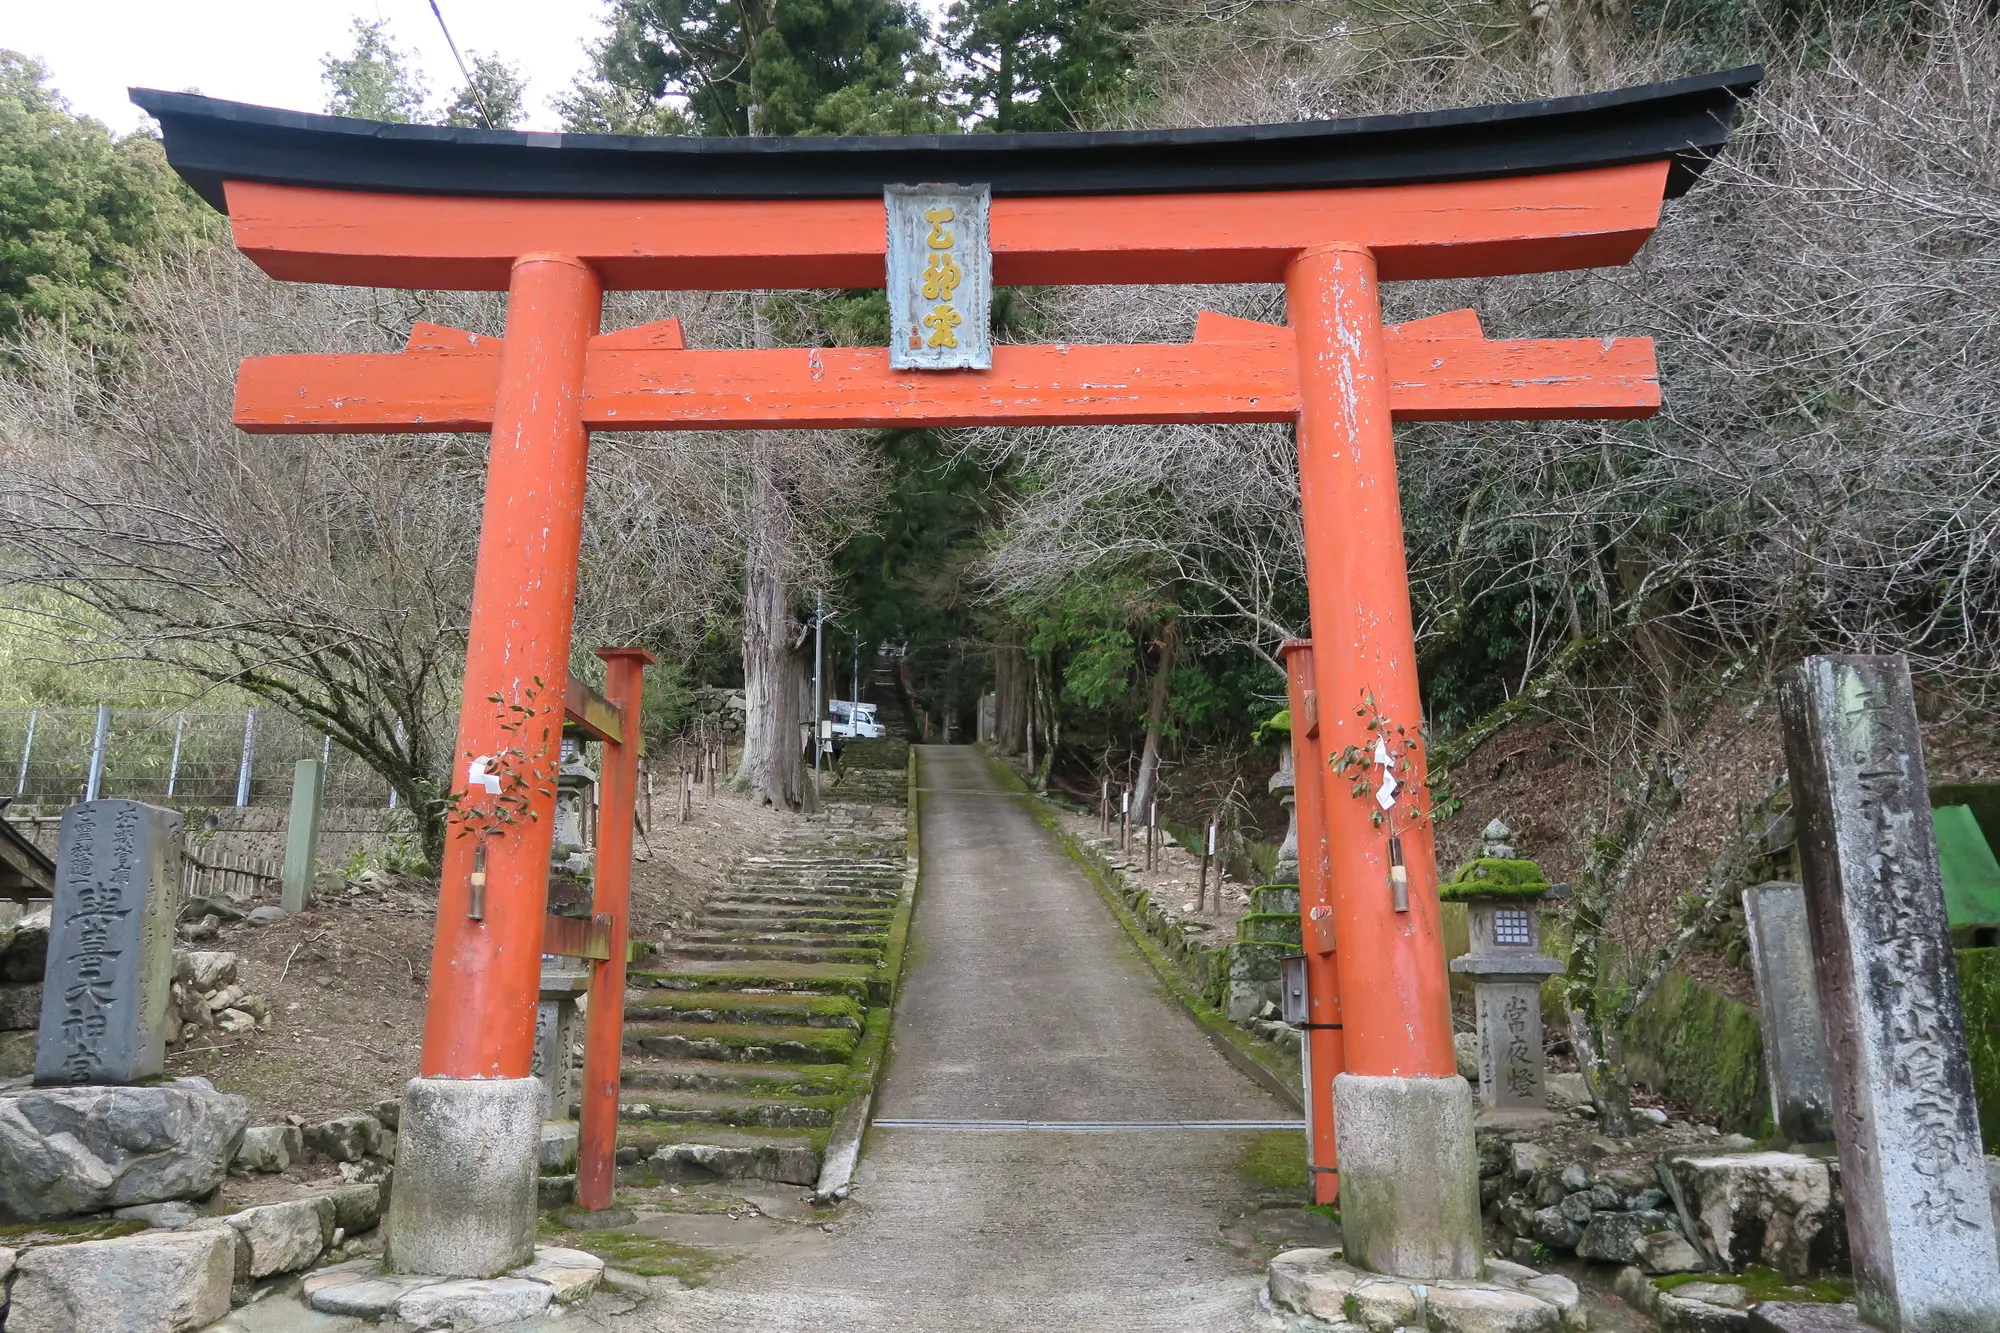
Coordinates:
[220,875]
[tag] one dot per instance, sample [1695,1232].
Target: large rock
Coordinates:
[21,1006]
[84,1149]
[571,1275]
[1307,1281]
[268,1148]
[205,971]
[1512,1299]
[475,1303]
[24,948]
[1616,1237]
[1771,1208]
[347,1138]
[1667,1252]
[1462,1307]
[356,1207]
[285,1237]
[152,1282]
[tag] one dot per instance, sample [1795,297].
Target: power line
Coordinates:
[485,112]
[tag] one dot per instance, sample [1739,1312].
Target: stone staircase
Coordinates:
[747,1034]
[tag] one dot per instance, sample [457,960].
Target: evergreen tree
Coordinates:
[741,67]
[79,208]
[493,99]
[1027,65]
[375,81]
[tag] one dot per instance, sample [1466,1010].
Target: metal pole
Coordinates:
[393,801]
[249,752]
[1207,851]
[819,700]
[174,763]
[95,783]
[857,666]
[326,750]
[27,748]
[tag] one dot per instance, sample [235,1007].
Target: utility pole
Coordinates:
[819,696]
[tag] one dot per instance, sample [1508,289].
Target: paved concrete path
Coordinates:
[1024,1001]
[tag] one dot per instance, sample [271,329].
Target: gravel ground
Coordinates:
[1024,1001]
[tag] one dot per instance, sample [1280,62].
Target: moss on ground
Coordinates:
[1767,1284]
[27,1235]
[1276,1159]
[647,1256]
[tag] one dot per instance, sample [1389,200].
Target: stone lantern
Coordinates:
[1283,785]
[1503,896]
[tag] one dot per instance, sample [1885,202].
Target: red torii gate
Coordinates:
[1330,210]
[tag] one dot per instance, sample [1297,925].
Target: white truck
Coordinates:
[855,721]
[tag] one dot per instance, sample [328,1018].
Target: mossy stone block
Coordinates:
[1256,974]
[1275,899]
[1270,928]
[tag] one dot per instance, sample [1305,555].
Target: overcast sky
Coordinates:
[269,51]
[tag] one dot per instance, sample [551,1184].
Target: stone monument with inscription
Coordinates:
[111,945]
[564,981]
[1781,956]
[1503,896]
[1919,1220]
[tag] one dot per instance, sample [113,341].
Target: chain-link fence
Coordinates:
[54,756]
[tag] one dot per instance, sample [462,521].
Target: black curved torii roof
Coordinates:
[1686,121]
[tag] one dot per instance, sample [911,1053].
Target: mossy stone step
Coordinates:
[798,939]
[773,900]
[785,1009]
[845,916]
[767,953]
[764,1043]
[652,1151]
[727,1108]
[855,980]
[647,1073]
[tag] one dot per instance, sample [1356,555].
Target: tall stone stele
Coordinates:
[1502,896]
[1781,957]
[1919,1219]
[111,945]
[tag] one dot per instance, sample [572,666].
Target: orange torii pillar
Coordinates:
[1409,1193]
[1325,1045]
[466,1159]
[611,897]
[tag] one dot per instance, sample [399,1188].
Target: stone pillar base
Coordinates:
[1409,1175]
[463,1204]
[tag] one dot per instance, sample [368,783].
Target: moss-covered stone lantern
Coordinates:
[1502,894]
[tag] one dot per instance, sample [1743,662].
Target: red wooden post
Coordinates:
[486,968]
[1326,1037]
[1409,1189]
[611,896]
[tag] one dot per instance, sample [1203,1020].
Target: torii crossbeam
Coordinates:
[1329,209]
